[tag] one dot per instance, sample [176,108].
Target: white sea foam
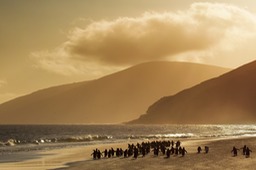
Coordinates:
[32,137]
[10,142]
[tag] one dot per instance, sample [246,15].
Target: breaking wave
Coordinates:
[87,138]
[15,135]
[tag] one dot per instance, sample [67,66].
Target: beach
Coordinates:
[77,158]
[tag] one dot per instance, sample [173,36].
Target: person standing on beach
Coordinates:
[94,154]
[247,153]
[244,149]
[112,152]
[125,153]
[117,152]
[234,150]
[143,151]
[176,151]
[168,153]
[206,149]
[178,144]
[183,152]
[172,150]
[199,149]
[136,153]
[180,150]
[99,154]
[172,143]
[156,151]
[163,149]
[121,152]
[109,153]
[105,153]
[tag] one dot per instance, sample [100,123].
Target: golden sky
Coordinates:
[51,42]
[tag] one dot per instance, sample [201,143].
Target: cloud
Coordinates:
[204,29]
[61,62]
[3,83]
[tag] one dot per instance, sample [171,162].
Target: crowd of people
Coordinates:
[165,148]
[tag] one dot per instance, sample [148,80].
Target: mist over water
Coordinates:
[16,138]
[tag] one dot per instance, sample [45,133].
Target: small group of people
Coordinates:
[246,151]
[169,148]
[206,149]
[96,154]
[176,151]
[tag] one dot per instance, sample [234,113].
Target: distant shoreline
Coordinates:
[77,158]
[219,157]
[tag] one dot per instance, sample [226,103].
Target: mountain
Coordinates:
[229,98]
[115,98]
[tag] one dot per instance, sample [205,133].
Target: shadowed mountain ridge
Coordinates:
[229,98]
[115,98]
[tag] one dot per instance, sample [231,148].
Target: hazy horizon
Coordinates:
[47,43]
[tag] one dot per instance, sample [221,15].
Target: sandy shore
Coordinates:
[219,157]
[53,159]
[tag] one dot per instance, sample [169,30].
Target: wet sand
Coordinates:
[77,158]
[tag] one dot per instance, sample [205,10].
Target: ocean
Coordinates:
[28,138]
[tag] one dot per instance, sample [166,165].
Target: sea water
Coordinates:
[27,138]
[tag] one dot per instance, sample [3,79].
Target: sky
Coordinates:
[45,43]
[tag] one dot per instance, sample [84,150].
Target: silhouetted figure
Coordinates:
[112,152]
[168,153]
[125,153]
[247,153]
[163,149]
[234,150]
[168,143]
[199,149]
[109,153]
[138,145]
[244,149]
[130,152]
[148,149]
[172,150]
[99,154]
[143,152]
[172,143]
[121,152]
[105,153]
[178,144]
[206,148]
[183,151]
[156,151]
[180,150]
[94,154]
[136,153]
[176,151]
[117,152]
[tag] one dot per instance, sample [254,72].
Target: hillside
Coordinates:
[229,98]
[115,98]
